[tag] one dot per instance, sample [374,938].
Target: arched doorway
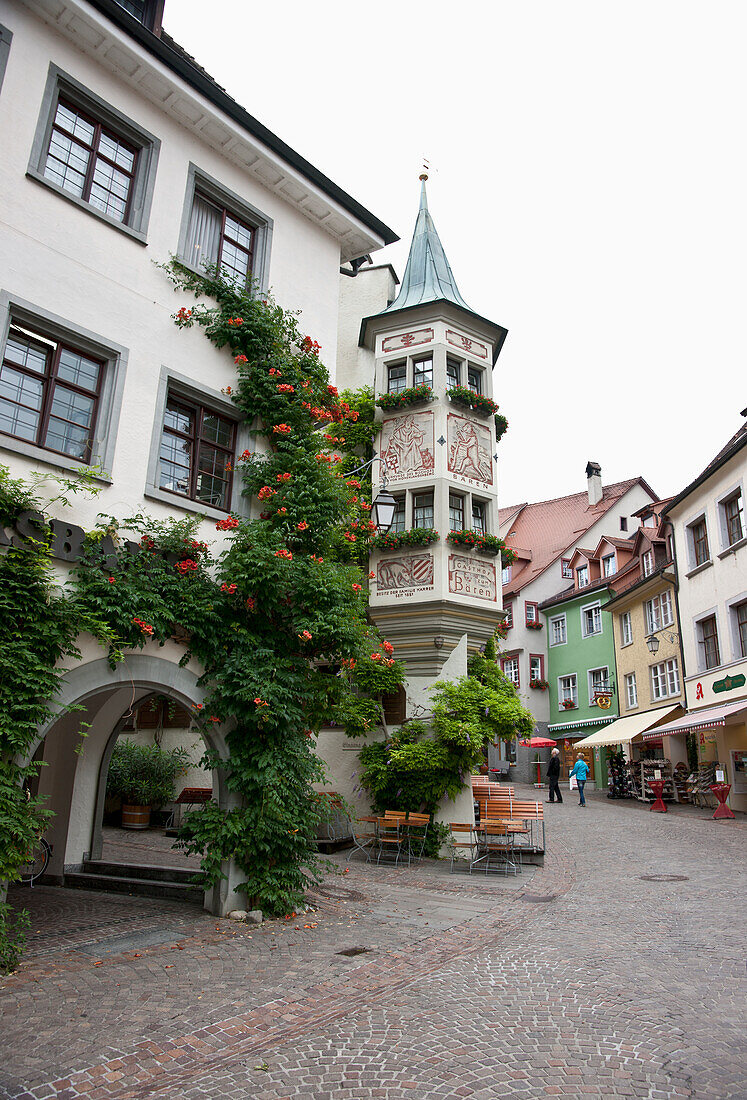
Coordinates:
[73,779]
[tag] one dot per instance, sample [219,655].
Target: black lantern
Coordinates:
[383,509]
[653,644]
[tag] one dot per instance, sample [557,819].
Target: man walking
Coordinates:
[581,772]
[553,775]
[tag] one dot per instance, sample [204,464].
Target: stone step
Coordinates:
[123,884]
[138,870]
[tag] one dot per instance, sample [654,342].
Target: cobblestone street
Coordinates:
[595,975]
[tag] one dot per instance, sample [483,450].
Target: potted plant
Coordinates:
[415,395]
[539,685]
[462,395]
[143,777]
[568,704]
[394,540]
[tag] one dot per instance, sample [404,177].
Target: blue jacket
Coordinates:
[580,770]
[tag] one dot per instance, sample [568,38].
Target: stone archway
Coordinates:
[74,778]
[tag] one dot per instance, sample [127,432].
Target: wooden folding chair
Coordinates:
[463,839]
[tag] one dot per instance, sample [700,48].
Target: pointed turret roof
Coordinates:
[428,276]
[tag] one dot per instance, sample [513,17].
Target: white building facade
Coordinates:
[119,151]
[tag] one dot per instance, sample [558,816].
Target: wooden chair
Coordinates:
[392,842]
[496,848]
[417,831]
[462,839]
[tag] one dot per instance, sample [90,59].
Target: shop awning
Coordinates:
[625,730]
[706,719]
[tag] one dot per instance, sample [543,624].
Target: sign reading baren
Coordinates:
[469,577]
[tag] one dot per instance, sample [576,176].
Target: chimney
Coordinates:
[594,482]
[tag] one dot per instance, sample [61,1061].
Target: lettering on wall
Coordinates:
[469,577]
[404,576]
[469,449]
[66,540]
[407,446]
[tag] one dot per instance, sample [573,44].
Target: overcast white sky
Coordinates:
[588,183]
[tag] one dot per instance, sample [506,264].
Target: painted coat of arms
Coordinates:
[469,449]
[407,446]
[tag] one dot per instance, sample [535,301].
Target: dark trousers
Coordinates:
[555,789]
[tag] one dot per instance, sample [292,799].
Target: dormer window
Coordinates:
[565,569]
[582,576]
[147,12]
[608,565]
[648,563]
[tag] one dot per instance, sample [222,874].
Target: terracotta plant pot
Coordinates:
[135,817]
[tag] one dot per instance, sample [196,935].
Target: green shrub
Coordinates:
[145,775]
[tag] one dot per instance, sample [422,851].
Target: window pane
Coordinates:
[179,419]
[238,233]
[474,379]
[68,438]
[18,387]
[76,368]
[453,372]
[456,513]
[212,477]
[423,373]
[398,523]
[217,430]
[75,407]
[234,264]
[203,235]
[73,123]
[424,510]
[478,518]
[110,190]
[742,628]
[175,463]
[25,353]
[397,378]
[67,163]
[112,148]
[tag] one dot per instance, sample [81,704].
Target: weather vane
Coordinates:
[425,169]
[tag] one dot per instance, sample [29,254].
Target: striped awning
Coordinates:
[568,726]
[706,719]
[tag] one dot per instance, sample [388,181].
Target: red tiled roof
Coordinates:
[553,527]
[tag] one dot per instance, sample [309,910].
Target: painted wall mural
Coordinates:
[470,577]
[469,446]
[407,446]
[402,576]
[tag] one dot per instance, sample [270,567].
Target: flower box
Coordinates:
[539,685]
[490,545]
[415,395]
[417,536]
[568,704]
[462,395]
[535,626]
[501,426]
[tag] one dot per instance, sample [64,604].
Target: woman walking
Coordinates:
[581,772]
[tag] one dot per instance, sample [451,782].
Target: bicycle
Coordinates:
[36,863]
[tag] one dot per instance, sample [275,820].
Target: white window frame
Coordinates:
[631,691]
[590,680]
[659,612]
[665,679]
[506,574]
[591,607]
[513,662]
[582,570]
[565,569]
[626,629]
[647,561]
[566,684]
[608,565]
[558,619]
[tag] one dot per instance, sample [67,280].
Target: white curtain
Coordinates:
[203,236]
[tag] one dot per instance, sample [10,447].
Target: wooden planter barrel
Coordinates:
[135,817]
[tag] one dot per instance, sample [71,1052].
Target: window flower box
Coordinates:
[535,625]
[490,545]
[415,395]
[417,536]
[501,426]
[539,685]
[568,704]
[462,395]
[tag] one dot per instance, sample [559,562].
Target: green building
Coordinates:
[581,671]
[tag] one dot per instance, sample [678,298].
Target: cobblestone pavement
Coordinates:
[579,979]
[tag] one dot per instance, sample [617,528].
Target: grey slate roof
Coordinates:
[428,276]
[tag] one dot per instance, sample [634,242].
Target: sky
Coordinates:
[587,180]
